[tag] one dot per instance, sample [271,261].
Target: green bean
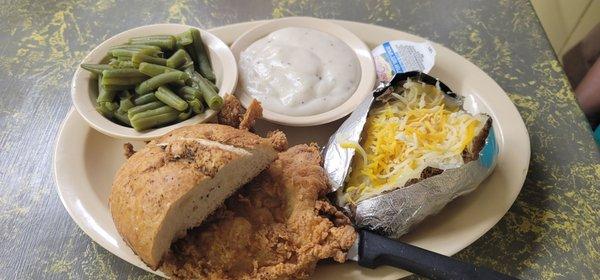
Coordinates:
[154,121]
[211,84]
[132,52]
[159,54]
[177,84]
[107,109]
[95,68]
[188,97]
[145,107]
[146,98]
[190,90]
[103,94]
[201,59]
[124,58]
[125,104]
[195,76]
[150,52]
[130,46]
[165,42]
[117,87]
[122,117]
[125,94]
[193,97]
[123,73]
[158,111]
[122,52]
[178,59]
[153,69]
[211,97]
[116,64]
[196,105]
[168,97]
[185,115]
[213,100]
[159,80]
[189,61]
[184,38]
[140,57]
[124,81]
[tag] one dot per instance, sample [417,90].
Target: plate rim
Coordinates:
[521,131]
[76,218]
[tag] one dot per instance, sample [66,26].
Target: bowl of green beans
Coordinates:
[147,81]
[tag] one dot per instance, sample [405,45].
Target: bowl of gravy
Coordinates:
[304,71]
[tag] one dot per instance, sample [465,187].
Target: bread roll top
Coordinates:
[177,180]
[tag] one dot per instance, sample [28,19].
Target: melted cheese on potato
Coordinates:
[405,135]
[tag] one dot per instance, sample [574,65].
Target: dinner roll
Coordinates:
[177,180]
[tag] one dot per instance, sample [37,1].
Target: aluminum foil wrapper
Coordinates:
[394,213]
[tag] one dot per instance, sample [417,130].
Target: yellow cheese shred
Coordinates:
[405,135]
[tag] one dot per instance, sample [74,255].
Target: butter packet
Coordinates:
[394,57]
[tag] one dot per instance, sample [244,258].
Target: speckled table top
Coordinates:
[551,232]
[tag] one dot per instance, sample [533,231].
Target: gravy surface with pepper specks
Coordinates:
[299,71]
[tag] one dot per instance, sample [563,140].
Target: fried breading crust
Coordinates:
[128,150]
[276,227]
[253,112]
[233,113]
[278,140]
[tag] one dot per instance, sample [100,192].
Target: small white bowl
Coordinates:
[84,89]
[363,53]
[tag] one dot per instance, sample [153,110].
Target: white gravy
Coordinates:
[299,71]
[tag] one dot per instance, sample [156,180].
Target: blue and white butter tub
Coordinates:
[394,57]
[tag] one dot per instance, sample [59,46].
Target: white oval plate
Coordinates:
[84,91]
[85,162]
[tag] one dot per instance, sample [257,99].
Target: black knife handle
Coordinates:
[375,250]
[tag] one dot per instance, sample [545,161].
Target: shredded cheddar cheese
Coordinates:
[403,136]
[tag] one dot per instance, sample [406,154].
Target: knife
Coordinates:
[372,250]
